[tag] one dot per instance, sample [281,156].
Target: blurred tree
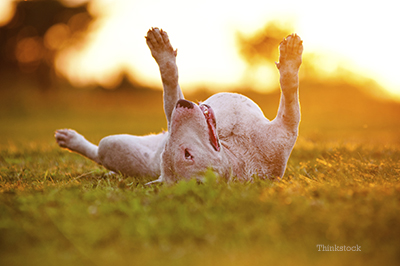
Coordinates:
[261,47]
[259,50]
[38,30]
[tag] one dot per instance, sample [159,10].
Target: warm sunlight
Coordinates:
[354,35]
[6,11]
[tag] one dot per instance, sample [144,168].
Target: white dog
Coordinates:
[227,133]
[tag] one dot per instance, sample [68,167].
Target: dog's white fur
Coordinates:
[246,144]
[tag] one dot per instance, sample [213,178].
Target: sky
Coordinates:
[356,35]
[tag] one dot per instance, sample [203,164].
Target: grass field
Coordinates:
[341,188]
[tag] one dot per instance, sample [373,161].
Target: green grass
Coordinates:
[58,208]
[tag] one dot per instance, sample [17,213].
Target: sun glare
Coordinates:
[353,35]
[7,10]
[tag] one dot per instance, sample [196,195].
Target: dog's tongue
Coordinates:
[212,125]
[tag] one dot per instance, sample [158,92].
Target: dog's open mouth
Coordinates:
[212,125]
[210,120]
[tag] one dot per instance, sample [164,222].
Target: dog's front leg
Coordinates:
[290,50]
[165,56]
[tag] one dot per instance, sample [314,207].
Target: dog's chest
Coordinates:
[240,124]
[235,114]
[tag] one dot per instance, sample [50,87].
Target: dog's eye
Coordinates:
[188,156]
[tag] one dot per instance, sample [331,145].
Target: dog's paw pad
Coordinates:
[290,51]
[160,46]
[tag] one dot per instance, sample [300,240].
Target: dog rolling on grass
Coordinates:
[227,133]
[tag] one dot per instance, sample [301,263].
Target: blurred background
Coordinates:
[84,64]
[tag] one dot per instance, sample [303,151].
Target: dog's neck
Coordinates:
[232,165]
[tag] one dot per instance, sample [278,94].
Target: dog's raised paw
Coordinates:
[290,52]
[160,46]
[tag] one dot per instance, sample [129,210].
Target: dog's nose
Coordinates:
[184,103]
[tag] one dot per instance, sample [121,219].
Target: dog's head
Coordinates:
[193,145]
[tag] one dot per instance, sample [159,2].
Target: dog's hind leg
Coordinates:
[129,155]
[125,154]
[73,141]
[165,56]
